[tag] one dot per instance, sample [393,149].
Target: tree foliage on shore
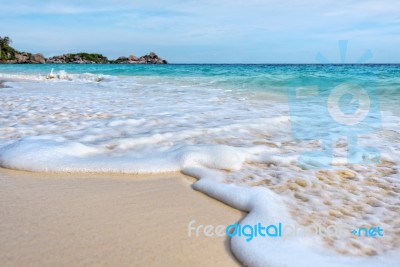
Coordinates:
[92,57]
[6,51]
[5,41]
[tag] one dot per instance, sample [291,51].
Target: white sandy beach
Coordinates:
[238,143]
[108,220]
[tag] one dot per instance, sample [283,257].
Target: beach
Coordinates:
[94,158]
[108,220]
[200,133]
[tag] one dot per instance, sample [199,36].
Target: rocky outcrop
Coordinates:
[151,58]
[85,58]
[79,58]
[37,58]
[9,55]
[25,58]
[21,58]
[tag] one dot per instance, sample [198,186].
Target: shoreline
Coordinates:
[225,146]
[108,220]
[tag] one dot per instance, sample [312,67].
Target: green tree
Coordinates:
[5,42]
[6,51]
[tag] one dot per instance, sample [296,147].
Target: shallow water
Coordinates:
[239,129]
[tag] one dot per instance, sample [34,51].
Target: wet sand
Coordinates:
[108,220]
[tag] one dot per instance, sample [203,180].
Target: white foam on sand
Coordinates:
[237,144]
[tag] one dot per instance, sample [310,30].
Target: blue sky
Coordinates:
[206,31]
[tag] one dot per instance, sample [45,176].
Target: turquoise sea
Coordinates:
[263,77]
[311,146]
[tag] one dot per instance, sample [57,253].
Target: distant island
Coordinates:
[9,55]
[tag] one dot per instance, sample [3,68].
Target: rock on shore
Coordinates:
[85,58]
[9,55]
[79,58]
[26,58]
[151,58]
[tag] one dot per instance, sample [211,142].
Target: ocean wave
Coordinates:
[61,75]
[239,145]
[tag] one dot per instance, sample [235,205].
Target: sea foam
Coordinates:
[237,143]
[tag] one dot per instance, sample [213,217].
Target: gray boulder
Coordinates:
[37,58]
[22,58]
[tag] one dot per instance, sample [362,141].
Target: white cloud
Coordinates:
[197,28]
